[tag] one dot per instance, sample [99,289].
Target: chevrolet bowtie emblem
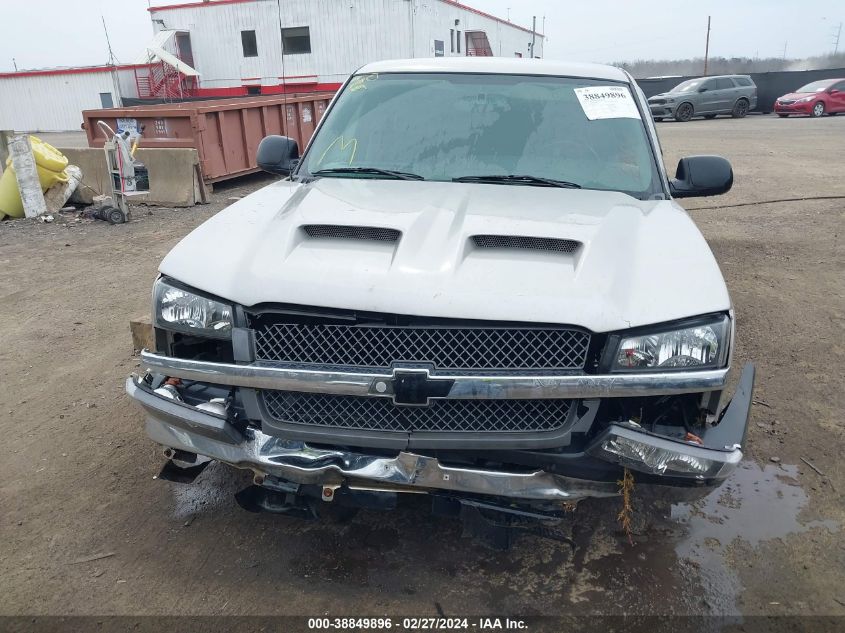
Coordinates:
[414,387]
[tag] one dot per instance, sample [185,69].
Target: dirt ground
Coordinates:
[77,472]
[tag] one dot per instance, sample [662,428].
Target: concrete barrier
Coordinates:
[173,175]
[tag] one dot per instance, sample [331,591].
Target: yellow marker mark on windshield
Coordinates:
[360,82]
[343,146]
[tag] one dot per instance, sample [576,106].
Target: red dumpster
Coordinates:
[224,132]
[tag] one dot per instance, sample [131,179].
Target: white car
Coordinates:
[473,284]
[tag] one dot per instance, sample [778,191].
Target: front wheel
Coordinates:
[684,112]
[740,109]
[818,109]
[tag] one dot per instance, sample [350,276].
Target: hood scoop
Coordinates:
[340,232]
[526,243]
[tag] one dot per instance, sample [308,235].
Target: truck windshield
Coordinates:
[505,129]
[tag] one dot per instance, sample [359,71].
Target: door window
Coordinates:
[720,84]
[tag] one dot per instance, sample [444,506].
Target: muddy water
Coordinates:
[755,505]
[408,560]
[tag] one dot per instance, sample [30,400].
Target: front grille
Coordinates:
[447,348]
[656,101]
[785,101]
[332,231]
[527,243]
[443,416]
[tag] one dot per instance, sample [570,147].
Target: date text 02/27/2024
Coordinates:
[417,624]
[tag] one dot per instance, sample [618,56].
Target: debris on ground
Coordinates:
[93,557]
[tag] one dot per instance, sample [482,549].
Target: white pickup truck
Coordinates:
[473,284]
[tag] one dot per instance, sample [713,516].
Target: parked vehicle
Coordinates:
[474,284]
[706,96]
[826,96]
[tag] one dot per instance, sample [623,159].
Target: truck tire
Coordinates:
[684,112]
[740,109]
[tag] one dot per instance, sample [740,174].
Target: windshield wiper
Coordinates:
[519,180]
[399,175]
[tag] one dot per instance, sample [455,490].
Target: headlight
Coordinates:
[700,346]
[805,99]
[662,456]
[670,100]
[179,310]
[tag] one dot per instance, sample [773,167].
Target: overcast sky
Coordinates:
[47,33]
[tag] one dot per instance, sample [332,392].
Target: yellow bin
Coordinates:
[50,164]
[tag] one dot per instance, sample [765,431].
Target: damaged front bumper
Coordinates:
[187,428]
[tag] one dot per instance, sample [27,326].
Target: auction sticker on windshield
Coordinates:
[607,102]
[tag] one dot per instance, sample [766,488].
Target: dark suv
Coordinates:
[707,97]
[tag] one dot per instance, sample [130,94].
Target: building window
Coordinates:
[249,44]
[459,42]
[452,36]
[296,41]
[438,48]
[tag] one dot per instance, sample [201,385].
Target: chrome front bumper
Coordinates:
[188,429]
[494,386]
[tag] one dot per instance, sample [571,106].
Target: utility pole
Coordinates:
[15,64]
[784,50]
[533,36]
[543,43]
[707,47]
[836,45]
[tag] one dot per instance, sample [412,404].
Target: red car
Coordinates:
[826,96]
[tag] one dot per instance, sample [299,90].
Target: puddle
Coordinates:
[755,504]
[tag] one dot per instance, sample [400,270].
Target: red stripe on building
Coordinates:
[189,5]
[71,71]
[241,91]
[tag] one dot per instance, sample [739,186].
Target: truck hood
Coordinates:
[637,263]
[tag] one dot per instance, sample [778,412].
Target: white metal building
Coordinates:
[236,45]
[52,100]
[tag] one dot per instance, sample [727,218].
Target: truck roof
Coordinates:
[497,65]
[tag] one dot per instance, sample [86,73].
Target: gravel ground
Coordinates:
[77,472]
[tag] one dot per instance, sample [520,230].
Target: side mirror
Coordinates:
[277,154]
[702,89]
[702,176]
